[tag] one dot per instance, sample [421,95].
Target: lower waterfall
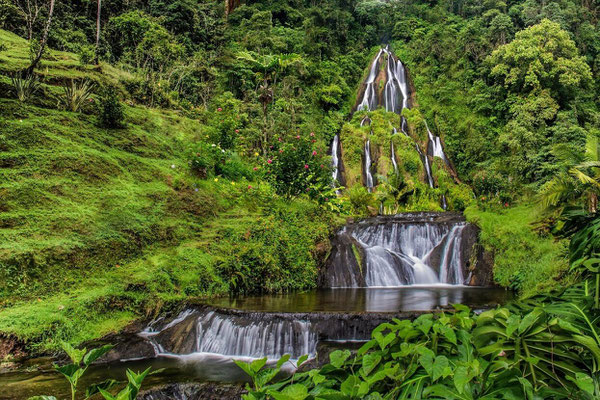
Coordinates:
[211,332]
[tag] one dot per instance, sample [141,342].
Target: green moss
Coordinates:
[523,259]
[357,257]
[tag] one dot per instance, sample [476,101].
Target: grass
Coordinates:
[100,227]
[523,259]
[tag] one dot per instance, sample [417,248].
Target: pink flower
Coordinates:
[314,153]
[219,109]
[270,161]
[305,166]
[307,189]
[249,186]
[237,131]
[505,204]
[322,165]
[270,147]
[326,199]
[298,137]
[255,168]
[279,139]
[312,134]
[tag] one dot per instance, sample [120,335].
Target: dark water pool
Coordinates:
[408,298]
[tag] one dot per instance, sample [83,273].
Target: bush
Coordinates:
[295,166]
[360,200]
[86,54]
[76,94]
[25,87]
[211,160]
[110,109]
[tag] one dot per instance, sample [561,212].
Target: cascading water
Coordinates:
[233,336]
[335,161]
[435,145]
[400,250]
[399,255]
[369,99]
[393,157]
[428,172]
[368,174]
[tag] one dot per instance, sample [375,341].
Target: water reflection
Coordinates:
[413,298]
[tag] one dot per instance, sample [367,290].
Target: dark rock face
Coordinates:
[445,242]
[193,391]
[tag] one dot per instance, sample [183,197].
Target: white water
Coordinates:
[236,336]
[369,99]
[368,175]
[335,158]
[435,145]
[398,254]
[393,156]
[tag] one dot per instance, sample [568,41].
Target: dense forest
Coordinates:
[159,153]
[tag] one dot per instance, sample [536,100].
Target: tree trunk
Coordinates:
[98,31]
[29,70]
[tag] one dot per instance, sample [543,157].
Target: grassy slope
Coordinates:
[99,227]
[523,259]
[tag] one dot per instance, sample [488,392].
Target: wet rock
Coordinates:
[193,391]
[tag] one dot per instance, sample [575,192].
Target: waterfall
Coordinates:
[335,158]
[444,202]
[425,159]
[400,250]
[390,91]
[369,99]
[411,254]
[393,156]
[368,175]
[435,148]
[233,336]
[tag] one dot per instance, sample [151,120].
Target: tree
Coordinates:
[540,57]
[98,30]
[36,60]
[580,184]
[31,11]
[267,67]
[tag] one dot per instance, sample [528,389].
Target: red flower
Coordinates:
[314,153]
[219,109]
[313,141]
[305,166]
[249,186]
[255,168]
[281,151]
[237,131]
[505,204]
[270,161]
[326,199]
[322,165]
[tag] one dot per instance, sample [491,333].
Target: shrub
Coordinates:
[295,166]
[25,87]
[86,54]
[360,200]
[76,94]
[110,110]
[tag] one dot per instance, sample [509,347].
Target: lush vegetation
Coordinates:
[546,348]
[164,151]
